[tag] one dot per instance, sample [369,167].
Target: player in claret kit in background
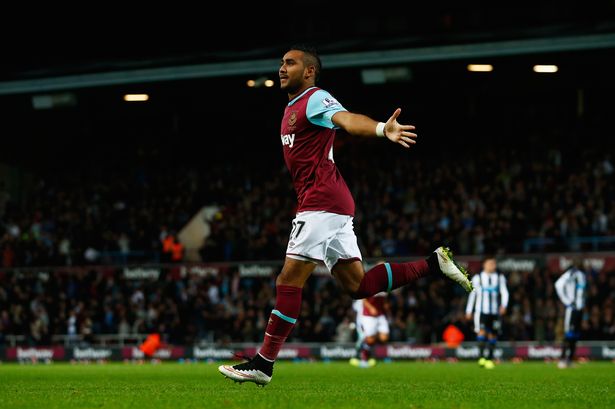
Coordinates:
[322,231]
[372,327]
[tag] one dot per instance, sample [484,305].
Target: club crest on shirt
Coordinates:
[292,119]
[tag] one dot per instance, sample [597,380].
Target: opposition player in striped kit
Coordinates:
[372,327]
[570,289]
[488,301]
[322,231]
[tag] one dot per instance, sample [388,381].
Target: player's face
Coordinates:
[292,71]
[489,265]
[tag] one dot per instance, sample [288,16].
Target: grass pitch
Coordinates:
[309,385]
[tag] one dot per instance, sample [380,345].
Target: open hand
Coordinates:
[399,133]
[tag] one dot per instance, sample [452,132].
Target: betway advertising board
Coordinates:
[393,351]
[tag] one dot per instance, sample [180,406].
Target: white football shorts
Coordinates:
[371,326]
[319,236]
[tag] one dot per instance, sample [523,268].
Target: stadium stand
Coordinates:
[485,202]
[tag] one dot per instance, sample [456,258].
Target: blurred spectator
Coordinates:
[194,308]
[484,201]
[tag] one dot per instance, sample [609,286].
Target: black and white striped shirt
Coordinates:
[489,294]
[570,288]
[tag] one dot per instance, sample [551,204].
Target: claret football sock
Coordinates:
[389,276]
[281,321]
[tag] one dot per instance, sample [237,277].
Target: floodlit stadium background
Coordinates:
[511,160]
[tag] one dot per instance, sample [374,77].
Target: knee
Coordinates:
[355,294]
[353,289]
[285,278]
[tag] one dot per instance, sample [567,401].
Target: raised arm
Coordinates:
[361,125]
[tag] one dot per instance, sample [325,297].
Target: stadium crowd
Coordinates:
[228,308]
[489,201]
[486,202]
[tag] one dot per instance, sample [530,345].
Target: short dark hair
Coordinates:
[577,262]
[312,58]
[488,257]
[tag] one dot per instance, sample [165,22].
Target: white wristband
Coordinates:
[380,129]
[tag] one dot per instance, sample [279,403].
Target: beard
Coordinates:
[291,86]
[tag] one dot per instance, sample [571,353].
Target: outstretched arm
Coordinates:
[361,125]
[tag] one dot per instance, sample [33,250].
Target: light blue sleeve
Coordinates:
[321,107]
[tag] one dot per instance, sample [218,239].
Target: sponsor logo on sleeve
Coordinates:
[330,102]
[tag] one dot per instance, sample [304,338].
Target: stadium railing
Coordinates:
[105,340]
[514,351]
[594,243]
[554,262]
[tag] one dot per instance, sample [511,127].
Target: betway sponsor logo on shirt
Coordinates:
[288,139]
